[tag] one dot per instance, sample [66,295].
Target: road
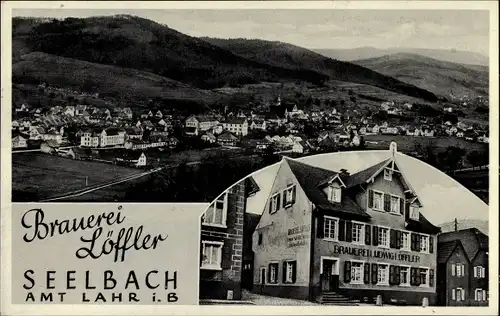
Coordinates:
[66,147]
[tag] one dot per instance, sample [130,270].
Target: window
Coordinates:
[414,214]
[275,203]
[383,274]
[330,227]
[259,241]
[424,277]
[357,272]
[358,233]
[290,271]
[478,295]
[273,273]
[216,214]
[289,195]
[395,204]
[479,272]
[378,201]
[387,174]
[404,275]
[334,194]
[458,269]
[212,255]
[458,294]
[405,241]
[424,243]
[383,237]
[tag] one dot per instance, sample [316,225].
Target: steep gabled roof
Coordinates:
[310,178]
[251,186]
[364,175]
[472,240]
[445,250]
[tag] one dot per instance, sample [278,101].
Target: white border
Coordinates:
[7,308]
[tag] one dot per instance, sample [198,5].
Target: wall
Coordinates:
[215,284]
[277,241]
[453,281]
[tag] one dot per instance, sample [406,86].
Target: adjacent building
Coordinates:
[463,268]
[237,125]
[327,234]
[201,123]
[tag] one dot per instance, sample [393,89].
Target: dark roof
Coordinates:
[363,175]
[235,120]
[112,131]
[472,240]
[251,186]
[445,250]
[227,136]
[190,129]
[422,225]
[310,178]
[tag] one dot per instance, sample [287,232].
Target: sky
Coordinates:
[320,29]
[443,198]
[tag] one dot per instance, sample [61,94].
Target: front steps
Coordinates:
[333,298]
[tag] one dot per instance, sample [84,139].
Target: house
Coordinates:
[79,153]
[36,132]
[428,132]
[112,137]
[470,135]
[373,129]
[386,105]
[56,136]
[459,134]
[209,138]
[19,142]
[202,123]
[133,133]
[133,159]
[49,147]
[463,276]
[227,139]
[80,109]
[23,108]
[158,114]
[172,142]
[90,138]
[355,141]
[408,106]
[136,144]
[70,110]
[298,147]
[237,126]
[221,243]
[326,235]
[258,125]
[191,131]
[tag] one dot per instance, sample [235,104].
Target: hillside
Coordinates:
[138,43]
[109,81]
[440,77]
[454,56]
[294,57]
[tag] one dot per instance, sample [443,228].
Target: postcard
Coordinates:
[276,157]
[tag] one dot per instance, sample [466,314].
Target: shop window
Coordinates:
[212,255]
[273,273]
[424,277]
[395,204]
[424,243]
[334,194]
[383,274]
[357,272]
[358,233]
[405,240]
[404,276]
[331,228]
[217,212]
[383,237]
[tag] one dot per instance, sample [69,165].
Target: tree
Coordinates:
[452,158]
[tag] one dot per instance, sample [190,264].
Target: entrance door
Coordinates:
[262,278]
[330,276]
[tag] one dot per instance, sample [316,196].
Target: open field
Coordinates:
[36,175]
[406,144]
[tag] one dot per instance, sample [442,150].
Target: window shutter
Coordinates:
[453,294]
[375,236]
[399,239]
[431,244]
[413,274]
[320,230]
[278,202]
[463,295]
[417,242]
[431,277]
[283,280]
[294,193]
[284,198]
[269,273]
[342,230]
[412,237]
[397,271]
[407,210]
[367,235]
[366,273]
[370,198]
[347,271]
[270,205]
[453,268]
[392,238]
[391,275]
[387,202]
[226,257]
[294,271]
[484,295]
[417,277]
[374,273]
[401,206]
[348,231]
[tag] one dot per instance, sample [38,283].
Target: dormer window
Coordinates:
[414,213]
[334,194]
[387,174]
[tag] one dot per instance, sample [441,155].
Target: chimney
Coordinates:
[343,173]
[456,224]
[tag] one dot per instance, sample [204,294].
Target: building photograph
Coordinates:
[317,233]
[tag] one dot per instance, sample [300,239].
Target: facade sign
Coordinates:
[299,235]
[373,253]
